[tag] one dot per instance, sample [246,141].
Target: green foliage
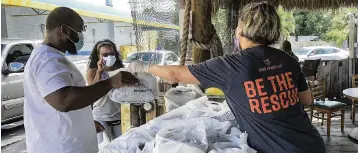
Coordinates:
[329,25]
[336,36]
[311,23]
[339,28]
[287,22]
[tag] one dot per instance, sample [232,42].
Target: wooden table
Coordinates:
[352,93]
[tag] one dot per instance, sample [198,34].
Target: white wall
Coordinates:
[302,38]
[124,34]
[297,45]
[29,27]
[3,23]
[26,27]
[101,32]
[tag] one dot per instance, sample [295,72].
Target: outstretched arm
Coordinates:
[174,74]
[212,73]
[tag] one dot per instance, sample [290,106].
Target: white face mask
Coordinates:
[110,60]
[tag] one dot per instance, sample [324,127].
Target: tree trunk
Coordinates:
[201,25]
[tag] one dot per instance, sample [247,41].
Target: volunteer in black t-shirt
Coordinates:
[264,86]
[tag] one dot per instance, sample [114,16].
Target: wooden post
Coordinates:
[352,42]
[201,25]
[152,114]
[352,36]
[129,117]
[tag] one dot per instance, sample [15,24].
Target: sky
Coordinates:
[123,5]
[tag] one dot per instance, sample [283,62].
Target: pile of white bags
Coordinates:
[200,126]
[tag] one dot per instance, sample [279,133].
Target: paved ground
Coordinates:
[13,140]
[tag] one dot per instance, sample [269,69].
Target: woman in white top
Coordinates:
[105,58]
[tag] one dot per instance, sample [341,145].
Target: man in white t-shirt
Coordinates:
[57,108]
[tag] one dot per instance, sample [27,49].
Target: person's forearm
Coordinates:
[168,73]
[79,97]
[305,97]
[174,74]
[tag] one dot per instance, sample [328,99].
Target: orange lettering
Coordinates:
[275,104]
[264,105]
[254,105]
[272,79]
[283,96]
[294,96]
[281,82]
[250,89]
[289,80]
[289,95]
[260,87]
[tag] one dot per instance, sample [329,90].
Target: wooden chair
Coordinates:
[354,103]
[322,106]
[310,69]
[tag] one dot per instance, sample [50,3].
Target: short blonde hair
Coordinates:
[260,23]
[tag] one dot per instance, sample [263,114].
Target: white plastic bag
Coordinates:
[200,107]
[179,96]
[188,137]
[141,92]
[138,93]
[104,142]
[149,146]
[228,150]
[129,142]
[236,141]
[204,108]
[196,89]
[215,129]
[151,81]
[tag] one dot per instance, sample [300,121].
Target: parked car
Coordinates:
[321,52]
[14,56]
[153,57]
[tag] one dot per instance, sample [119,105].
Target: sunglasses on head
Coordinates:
[108,54]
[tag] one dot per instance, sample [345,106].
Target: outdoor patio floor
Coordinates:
[338,141]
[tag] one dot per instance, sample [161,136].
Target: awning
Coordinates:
[86,9]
